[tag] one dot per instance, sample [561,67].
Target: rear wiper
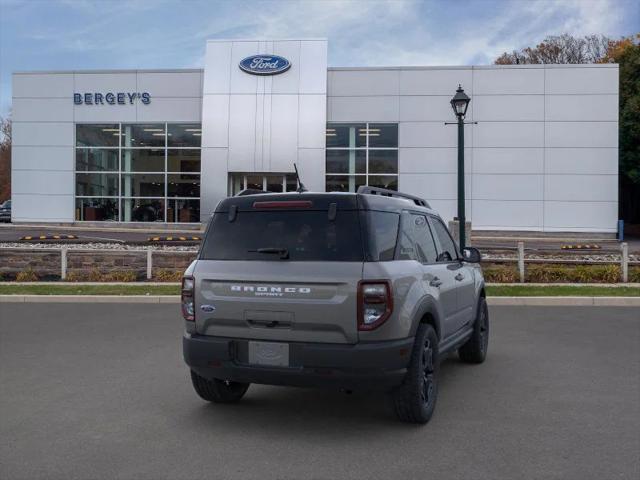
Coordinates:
[283,252]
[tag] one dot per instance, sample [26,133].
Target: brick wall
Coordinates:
[46,263]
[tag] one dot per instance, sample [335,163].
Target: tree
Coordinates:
[5,159]
[560,49]
[600,49]
[626,53]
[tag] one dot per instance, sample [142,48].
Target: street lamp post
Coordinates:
[460,103]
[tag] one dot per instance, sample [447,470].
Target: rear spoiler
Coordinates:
[367,190]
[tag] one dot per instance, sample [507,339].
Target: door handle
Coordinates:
[459,277]
[436,282]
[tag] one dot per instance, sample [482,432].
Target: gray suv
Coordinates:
[353,291]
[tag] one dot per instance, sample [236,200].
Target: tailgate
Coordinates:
[272,300]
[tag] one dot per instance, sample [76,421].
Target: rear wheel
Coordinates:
[475,349]
[415,400]
[218,391]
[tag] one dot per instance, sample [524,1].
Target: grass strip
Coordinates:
[561,291]
[492,291]
[54,289]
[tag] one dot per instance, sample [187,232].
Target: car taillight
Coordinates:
[375,303]
[188,307]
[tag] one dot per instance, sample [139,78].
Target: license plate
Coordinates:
[269,353]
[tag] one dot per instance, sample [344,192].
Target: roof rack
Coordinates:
[367,190]
[250,191]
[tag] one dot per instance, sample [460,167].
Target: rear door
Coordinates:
[280,274]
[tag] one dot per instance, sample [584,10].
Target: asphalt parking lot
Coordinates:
[100,391]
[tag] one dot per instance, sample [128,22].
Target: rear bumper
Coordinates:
[363,366]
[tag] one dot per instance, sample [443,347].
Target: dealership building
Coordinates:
[118,146]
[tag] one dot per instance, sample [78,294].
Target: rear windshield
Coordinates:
[284,236]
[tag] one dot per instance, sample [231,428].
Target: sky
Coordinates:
[107,34]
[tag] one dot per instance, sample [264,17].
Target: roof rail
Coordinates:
[367,190]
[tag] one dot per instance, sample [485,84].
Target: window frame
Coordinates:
[120,148]
[366,148]
[433,218]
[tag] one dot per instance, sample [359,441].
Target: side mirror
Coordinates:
[471,255]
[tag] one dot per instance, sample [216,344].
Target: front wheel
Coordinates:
[475,349]
[218,391]
[415,399]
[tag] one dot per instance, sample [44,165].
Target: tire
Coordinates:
[475,349]
[415,400]
[218,391]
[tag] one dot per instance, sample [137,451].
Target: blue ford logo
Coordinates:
[265,64]
[207,308]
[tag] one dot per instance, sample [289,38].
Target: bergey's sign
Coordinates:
[265,64]
[110,98]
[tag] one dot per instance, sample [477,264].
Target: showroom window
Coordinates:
[269,182]
[361,154]
[138,172]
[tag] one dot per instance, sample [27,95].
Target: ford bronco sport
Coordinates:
[361,290]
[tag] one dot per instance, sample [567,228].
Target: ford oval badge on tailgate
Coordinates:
[207,308]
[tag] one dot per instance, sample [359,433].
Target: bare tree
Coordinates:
[563,48]
[5,158]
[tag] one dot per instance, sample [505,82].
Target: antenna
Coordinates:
[301,187]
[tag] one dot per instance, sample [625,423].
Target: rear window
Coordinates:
[304,235]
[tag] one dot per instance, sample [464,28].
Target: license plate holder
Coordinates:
[274,354]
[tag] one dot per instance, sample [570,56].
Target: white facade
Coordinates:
[543,155]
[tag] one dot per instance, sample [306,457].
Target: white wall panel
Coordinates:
[581,80]
[217,77]
[42,110]
[177,109]
[597,188]
[364,83]
[431,134]
[242,132]
[284,133]
[508,160]
[313,67]
[170,84]
[581,134]
[42,208]
[105,113]
[523,215]
[581,108]
[433,186]
[447,209]
[215,121]
[42,158]
[435,81]
[42,134]
[362,109]
[105,82]
[576,216]
[428,109]
[507,187]
[311,165]
[43,182]
[432,160]
[508,108]
[312,120]
[508,81]
[509,134]
[43,85]
[214,179]
[582,160]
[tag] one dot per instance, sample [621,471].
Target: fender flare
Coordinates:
[427,305]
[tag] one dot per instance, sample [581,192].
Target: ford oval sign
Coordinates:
[265,64]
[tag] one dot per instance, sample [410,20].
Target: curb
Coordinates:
[175,299]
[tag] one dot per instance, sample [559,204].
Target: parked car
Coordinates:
[359,290]
[5,211]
